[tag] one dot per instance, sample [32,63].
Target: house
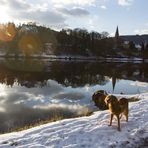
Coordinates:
[48,48]
[140,41]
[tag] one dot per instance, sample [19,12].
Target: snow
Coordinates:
[89,132]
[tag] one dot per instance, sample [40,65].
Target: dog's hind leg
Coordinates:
[126,115]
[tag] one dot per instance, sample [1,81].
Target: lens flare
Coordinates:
[29,43]
[7,32]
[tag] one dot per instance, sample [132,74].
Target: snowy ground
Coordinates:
[88,132]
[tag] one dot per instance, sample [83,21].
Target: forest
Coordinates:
[30,38]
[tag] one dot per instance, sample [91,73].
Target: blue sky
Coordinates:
[100,15]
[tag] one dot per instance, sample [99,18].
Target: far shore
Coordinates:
[78,58]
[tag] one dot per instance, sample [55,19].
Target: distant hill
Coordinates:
[137,39]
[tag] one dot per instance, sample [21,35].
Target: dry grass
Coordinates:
[133,99]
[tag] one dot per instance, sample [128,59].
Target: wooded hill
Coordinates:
[30,39]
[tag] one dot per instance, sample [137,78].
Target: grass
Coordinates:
[133,99]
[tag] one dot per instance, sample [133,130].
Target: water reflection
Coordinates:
[32,90]
[21,106]
[30,73]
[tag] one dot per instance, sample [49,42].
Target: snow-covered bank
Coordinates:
[92,131]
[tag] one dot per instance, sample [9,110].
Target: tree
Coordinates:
[104,34]
[131,45]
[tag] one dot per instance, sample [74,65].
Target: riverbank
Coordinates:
[78,58]
[92,131]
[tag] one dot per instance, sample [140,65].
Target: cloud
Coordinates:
[103,7]
[125,2]
[146,24]
[74,2]
[69,95]
[79,12]
[140,84]
[21,11]
[93,23]
[141,31]
[47,17]
[52,13]
[2,2]
[21,105]
[17,5]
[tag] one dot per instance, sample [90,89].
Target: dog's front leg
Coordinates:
[111,118]
[118,118]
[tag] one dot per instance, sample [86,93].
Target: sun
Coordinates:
[4,17]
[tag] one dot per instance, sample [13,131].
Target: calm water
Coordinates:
[32,90]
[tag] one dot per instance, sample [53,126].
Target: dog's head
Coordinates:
[110,99]
[99,94]
[98,98]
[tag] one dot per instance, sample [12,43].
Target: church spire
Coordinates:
[117,39]
[117,33]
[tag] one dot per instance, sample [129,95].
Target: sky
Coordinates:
[93,15]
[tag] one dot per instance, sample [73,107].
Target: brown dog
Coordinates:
[117,108]
[98,97]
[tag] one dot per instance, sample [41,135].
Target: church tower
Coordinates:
[117,38]
[117,34]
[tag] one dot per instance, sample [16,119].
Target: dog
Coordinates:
[117,108]
[98,97]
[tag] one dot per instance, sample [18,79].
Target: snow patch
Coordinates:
[92,131]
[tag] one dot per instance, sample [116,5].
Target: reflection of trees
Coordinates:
[35,72]
[26,72]
[77,74]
